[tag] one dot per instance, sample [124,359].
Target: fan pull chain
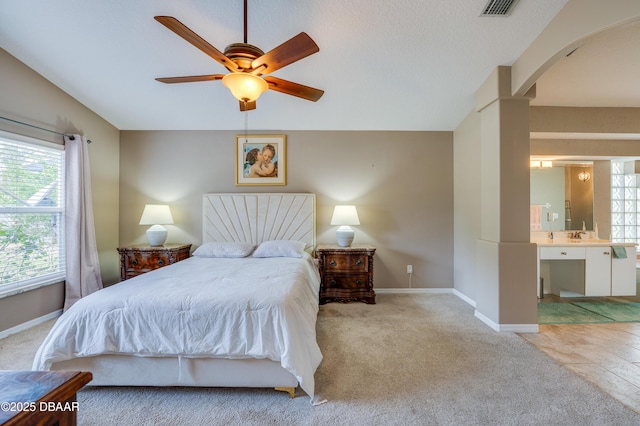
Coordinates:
[246,124]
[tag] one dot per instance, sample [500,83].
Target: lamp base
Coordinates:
[156,235]
[345,235]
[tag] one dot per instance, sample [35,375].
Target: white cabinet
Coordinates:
[597,271]
[588,270]
[562,253]
[623,275]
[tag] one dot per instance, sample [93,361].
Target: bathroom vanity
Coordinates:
[574,267]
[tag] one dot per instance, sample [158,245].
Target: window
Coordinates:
[625,208]
[31,213]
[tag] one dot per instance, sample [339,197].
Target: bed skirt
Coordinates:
[122,370]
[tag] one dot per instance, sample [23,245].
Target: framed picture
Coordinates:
[261,160]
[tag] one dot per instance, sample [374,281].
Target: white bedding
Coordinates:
[200,308]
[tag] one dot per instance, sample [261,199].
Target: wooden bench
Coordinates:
[40,398]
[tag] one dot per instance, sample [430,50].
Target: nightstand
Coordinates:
[346,273]
[136,260]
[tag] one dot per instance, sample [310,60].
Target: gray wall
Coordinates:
[467,193]
[401,183]
[603,121]
[467,199]
[27,97]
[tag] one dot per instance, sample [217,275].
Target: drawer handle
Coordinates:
[161,262]
[135,261]
[564,253]
[607,253]
[359,262]
[332,263]
[358,282]
[333,283]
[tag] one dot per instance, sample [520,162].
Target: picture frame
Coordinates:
[261,160]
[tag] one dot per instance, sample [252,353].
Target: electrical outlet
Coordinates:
[409,269]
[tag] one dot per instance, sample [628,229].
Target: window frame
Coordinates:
[51,278]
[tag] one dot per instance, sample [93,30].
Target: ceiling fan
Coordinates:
[248,64]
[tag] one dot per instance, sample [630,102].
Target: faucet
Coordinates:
[577,234]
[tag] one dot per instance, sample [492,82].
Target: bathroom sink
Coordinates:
[571,241]
[588,241]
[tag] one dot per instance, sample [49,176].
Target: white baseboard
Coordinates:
[511,328]
[27,325]
[465,298]
[405,290]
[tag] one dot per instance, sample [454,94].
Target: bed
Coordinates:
[207,321]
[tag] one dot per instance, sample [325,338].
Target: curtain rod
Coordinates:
[40,128]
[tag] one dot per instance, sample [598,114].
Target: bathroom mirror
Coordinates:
[561,196]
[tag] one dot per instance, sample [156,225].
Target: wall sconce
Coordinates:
[156,215]
[584,176]
[345,216]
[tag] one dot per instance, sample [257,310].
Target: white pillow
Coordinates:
[224,249]
[280,248]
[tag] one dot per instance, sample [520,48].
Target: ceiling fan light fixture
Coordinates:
[245,87]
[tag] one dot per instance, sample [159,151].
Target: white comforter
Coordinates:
[200,307]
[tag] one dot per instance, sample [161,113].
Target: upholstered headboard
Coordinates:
[259,217]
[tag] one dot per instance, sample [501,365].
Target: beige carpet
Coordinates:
[408,360]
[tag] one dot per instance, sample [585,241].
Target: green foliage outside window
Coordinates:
[29,246]
[31,214]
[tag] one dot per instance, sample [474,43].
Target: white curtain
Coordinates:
[82,268]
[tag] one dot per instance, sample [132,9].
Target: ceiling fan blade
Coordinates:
[183,31]
[294,89]
[247,106]
[190,79]
[287,53]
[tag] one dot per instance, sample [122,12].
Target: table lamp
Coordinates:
[345,216]
[156,215]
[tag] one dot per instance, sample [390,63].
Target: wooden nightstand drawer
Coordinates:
[347,262]
[346,273]
[145,261]
[353,281]
[138,260]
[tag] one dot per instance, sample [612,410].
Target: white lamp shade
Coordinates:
[245,87]
[345,215]
[156,214]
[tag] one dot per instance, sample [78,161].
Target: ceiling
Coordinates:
[603,72]
[401,65]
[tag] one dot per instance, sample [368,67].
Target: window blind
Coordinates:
[31,213]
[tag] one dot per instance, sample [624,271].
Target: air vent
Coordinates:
[498,8]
